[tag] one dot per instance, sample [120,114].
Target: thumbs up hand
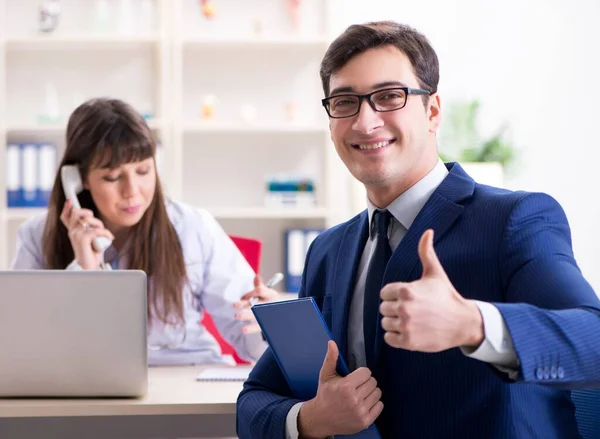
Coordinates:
[429,315]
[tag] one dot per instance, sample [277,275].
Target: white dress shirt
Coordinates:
[217,276]
[497,347]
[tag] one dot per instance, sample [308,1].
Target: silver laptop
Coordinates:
[73,333]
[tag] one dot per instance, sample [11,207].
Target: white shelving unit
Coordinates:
[247,55]
[3,201]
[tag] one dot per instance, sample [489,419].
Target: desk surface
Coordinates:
[171,391]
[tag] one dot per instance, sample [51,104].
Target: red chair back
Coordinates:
[251,249]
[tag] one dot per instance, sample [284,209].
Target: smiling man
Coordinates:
[459,307]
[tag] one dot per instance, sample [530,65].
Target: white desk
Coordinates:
[176,406]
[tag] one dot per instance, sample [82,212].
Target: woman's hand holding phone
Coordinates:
[83,227]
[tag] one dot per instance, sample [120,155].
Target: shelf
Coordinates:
[215,128]
[21,213]
[36,128]
[85,41]
[268,213]
[255,43]
[56,128]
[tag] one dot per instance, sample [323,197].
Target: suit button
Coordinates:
[539,373]
[561,373]
[553,372]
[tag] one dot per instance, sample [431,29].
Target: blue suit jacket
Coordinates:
[512,249]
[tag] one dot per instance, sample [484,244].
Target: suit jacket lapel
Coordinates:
[348,258]
[439,213]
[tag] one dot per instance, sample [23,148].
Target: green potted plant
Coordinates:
[484,158]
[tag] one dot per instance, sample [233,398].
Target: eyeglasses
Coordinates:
[387,99]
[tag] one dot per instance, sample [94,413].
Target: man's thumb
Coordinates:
[257,281]
[328,370]
[429,260]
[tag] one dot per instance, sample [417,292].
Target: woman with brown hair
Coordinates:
[191,263]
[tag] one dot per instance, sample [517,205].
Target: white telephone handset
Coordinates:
[72,184]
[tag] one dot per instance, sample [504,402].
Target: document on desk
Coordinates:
[238,373]
[297,335]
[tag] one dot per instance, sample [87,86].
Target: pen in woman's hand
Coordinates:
[275,279]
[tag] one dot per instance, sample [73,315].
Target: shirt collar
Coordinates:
[407,206]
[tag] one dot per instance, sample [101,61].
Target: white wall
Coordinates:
[533,63]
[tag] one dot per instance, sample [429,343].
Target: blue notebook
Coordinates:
[298,336]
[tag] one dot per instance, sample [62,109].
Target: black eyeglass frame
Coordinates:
[367,97]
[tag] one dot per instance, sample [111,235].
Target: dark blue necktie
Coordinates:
[373,285]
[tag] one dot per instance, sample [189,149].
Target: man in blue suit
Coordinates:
[459,307]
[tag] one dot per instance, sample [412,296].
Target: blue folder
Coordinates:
[298,336]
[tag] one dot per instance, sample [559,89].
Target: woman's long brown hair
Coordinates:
[108,133]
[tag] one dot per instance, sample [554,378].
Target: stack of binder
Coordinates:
[297,242]
[30,173]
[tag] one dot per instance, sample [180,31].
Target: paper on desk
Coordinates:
[238,373]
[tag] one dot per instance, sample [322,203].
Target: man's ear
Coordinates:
[434,112]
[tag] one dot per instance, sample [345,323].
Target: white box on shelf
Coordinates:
[295,200]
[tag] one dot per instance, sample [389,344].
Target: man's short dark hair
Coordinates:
[359,38]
